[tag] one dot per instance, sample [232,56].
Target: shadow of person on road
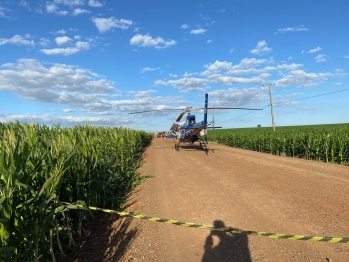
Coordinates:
[230,247]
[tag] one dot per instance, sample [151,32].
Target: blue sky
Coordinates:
[78,61]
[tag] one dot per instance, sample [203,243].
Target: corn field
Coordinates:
[41,165]
[321,143]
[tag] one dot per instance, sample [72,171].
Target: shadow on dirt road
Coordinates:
[230,247]
[107,238]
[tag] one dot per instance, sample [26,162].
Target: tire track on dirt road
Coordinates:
[242,189]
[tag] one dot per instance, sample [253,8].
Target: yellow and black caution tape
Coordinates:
[222,229]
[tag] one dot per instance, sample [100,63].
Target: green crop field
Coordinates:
[327,143]
[41,166]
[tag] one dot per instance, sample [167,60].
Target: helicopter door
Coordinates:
[182,133]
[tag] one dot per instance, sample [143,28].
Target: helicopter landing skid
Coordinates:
[203,145]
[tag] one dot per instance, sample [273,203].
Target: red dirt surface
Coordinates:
[226,187]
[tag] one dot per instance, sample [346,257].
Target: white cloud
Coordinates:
[237,97]
[58,83]
[283,103]
[60,32]
[347,56]
[62,40]
[339,73]
[60,51]
[3,11]
[314,50]
[44,42]
[143,94]
[338,83]
[205,17]
[52,8]
[24,4]
[250,62]
[79,11]
[295,94]
[143,101]
[231,50]
[289,67]
[148,41]
[77,37]
[68,50]
[261,48]
[185,84]
[198,31]
[172,75]
[95,39]
[228,80]
[292,29]
[69,2]
[209,41]
[290,57]
[68,110]
[302,78]
[257,71]
[217,66]
[49,119]
[106,24]
[83,45]
[17,40]
[184,26]
[320,58]
[250,71]
[94,3]
[148,69]
[246,66]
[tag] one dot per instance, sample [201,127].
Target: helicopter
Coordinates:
[192,131]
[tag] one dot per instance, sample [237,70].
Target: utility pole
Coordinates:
[271,105]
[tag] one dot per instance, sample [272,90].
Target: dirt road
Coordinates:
[234,188]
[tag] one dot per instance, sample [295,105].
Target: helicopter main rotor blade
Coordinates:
[190,109]
[180,116]
[155,110]
[239,108]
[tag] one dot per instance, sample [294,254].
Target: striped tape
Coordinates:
[222,229]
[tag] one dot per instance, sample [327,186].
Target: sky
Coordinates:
[72,62]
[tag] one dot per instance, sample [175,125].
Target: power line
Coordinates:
[321,67]
[304,98]
[330,64]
